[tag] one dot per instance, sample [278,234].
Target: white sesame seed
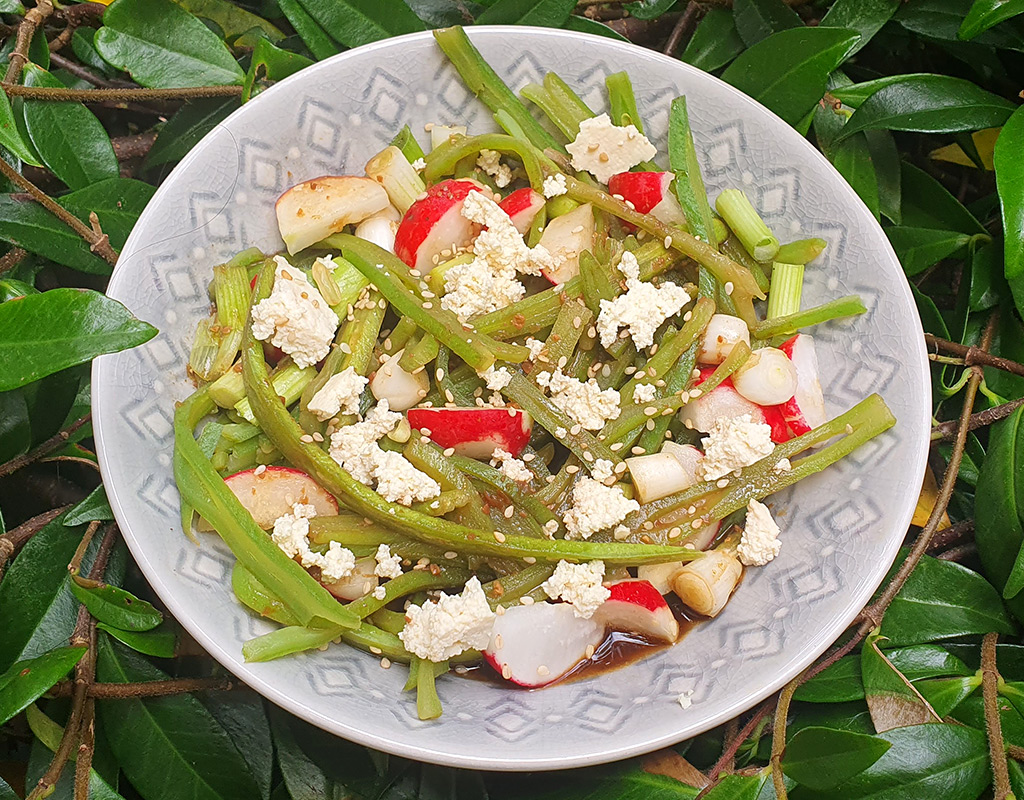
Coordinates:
[728,287]
[260,469]
[526,600]
[542,671]
[385,663]
[590,650]
[637,451]
[499,536]
[375,650]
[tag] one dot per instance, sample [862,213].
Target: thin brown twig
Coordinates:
[119,94]
[952,535]
[11,541]
[128,691]
[974,356]
[83,545]
[62,39]
[51,445]
[731,748]
[779,736]
[993,724]
[34,19]
[981,419]
[681,28]
[86,748]
[135,146]
[11,259]
[84,73]
[958,553]
[1016,752]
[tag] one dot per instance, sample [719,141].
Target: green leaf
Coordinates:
[986,13]
[587,25]
[931,760]
[25,223]
[67,136]
[887,170]
[788,71]
[1010,185]
[118,202]
[919,248]
[26,681]
[6,792]
[945,694]
[270,63]
[927,661]
[11,7]
[93,507]
[822,758]
[159,644]
[715,41]
[15,425]
[242,717]
[45,333]
[944,600]
[941,20]
[10,135]
[550,13]
[930,104]
[649,9]
[189,124]
[928,204]
[303,778]
[168,736]
[320,44]
[891,698]
[851,157]
[358,22]
[855,94]
[163,46]
[839,683]
[736,787]
[867,17]
[231,19]
[115,606]
[758,19]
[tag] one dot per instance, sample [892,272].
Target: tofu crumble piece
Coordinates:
[596,507]
[340,395]
[535,346]
[496,379]
[295,317]
[759,542]
[455,623]
[580,585]
[388,565]
[554,185]
[603,149]
[510,466]
[398,481]
[587,404]
[644,393]
[733,444]
[602,470]
[291,534]
[490,162]
[641,309]
[419,164]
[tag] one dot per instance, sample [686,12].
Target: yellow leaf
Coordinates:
[984,141]
[926,502]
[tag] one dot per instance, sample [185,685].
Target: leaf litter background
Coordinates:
[916,103]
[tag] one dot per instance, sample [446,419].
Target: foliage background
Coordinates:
[920,114]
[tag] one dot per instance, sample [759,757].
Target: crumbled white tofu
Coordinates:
[510,466]
[353,446]
[759,543]
[733,444]
[603,149]
[685,700]
[473,289]
[641,309]
[596,507]
[398,481]
[490,162]
[419,164]
[603,470]
[551,528]
[340,394]
[554,185]
[644,393]
[580,585]
[535,346]
[455,623]
[500,243]
[380,593]
[496,379]
[291,534]
[586,403]
[388,565]
[783,465]
[295,317]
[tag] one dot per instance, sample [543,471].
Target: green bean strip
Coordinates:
[486,85]
[733,248]
[611,374]
[522,500]
[803,251]
[559,103]
[598,282]
[444,157]
[204,490]
[446,382]
[387,620]
[737,358]
[425,455]
[848,306]
[406,142]
[677,380]
[444,503]
[404,330]
[419,354]
[253,594]
[353,534]
[622,101]
[507,590]
[428,704]
[570,325]
[689,183]
[624,430]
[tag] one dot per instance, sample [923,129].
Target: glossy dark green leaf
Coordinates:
[886,159]
[891,698]
[930,104]
[357,22]
[867,17]
[972,712]
[932,760]
[928,204]
[243,718]
[15,425]
[919,248]
[927,661]
[11,136]
[851,157]
[11,288]
[732,787]
[319,42]
[1014,692]
[788,71]
[25,223]
[118,202]
[823,758]
[649,9]
[115,606]
[443,13]
[83,47]
[189,124]
[159,644]
[987,285]
[1009,167]
[161,45]
[1008,343]
[6,792]
[855,94]
[756,20]
[302,776]
[26,681]
[839,683]
[715,41]
[945,694]
[270,63]
[986,13]
[11,7]
[168,736]
[944,600]
[47,332]
[68,137]
[93,507]
[587,25]
[942,19]
[231,18]
[552,13]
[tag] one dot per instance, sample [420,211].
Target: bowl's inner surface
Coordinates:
[840,529]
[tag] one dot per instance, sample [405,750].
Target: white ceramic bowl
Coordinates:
[841,529]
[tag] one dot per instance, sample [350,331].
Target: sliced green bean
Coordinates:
[444,157]
[848,306]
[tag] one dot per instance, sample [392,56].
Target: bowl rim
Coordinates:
[916,356]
